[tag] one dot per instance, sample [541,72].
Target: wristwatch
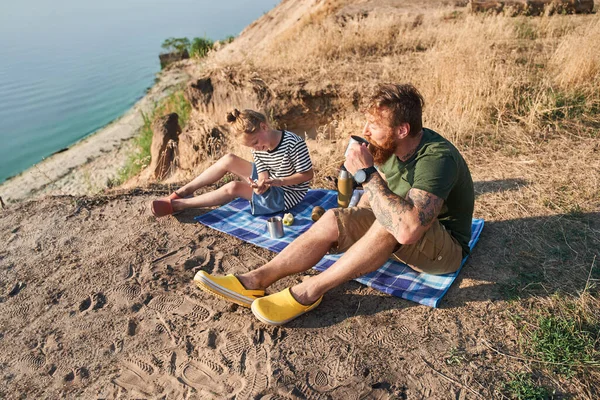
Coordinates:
[363,174]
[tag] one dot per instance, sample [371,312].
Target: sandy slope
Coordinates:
[97,301]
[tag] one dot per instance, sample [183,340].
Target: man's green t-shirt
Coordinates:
[437,167]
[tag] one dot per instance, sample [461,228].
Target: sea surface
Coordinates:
[69,67]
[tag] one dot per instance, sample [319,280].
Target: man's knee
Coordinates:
[381,235]
[327,225]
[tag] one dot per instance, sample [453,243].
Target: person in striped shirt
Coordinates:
[276,181]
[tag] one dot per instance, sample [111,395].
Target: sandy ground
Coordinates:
[87,166]
[97,301]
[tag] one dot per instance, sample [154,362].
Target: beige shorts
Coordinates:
[438,252]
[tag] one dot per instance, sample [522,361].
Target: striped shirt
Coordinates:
[288,158]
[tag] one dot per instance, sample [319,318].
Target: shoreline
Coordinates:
[86,166]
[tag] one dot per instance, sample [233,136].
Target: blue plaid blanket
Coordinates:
[393,277]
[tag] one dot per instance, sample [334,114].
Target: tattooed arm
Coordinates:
[406,219]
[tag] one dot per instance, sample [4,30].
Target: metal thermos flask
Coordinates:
[345,187]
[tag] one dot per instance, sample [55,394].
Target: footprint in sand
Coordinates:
[126,272]
[389,337]
[76,375]
[17,287]
[256,374]
[127,291]
[235,350]
[98,300]
[180,305]
[59,370]
[302,390]
[249,362]
[319,347]
[274,397]
[116,346]
[165,302]
[200,313]
[197,258]
[344,364]
[132,327]
[232,322]
[18,310]
[208,376]
[85,304]
[30,362]
[324,378]
[136,376]
[234,265]
[320,379]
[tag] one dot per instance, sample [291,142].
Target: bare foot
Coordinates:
[249,283]
[303,297]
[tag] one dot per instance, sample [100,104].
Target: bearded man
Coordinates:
[417,208]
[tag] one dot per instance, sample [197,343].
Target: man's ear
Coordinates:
[402,130]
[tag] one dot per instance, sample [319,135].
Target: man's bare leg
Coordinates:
[228,163]
[300,255]
[366,255]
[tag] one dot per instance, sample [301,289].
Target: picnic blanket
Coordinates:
[393,277]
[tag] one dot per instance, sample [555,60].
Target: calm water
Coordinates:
[69,67]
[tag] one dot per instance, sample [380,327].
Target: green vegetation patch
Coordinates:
[140,157]
[564,343]
[522,387]
[176,44]
[197,47]
[566,339]
[200,47]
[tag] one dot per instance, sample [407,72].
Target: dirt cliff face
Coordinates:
[298,105]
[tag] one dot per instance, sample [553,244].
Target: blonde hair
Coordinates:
[247,121]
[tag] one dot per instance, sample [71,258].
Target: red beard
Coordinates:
[381,152]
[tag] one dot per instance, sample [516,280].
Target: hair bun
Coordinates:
[232,116]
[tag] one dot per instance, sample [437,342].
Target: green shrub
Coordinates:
[200,47]
[176,44]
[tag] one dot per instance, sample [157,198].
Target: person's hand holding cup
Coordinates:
[357,155]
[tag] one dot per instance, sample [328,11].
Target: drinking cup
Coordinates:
[275,226]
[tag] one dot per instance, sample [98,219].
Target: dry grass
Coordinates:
[493,74]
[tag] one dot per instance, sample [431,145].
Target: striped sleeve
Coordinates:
[300,157]
[260,165]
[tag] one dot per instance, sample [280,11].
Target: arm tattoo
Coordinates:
[428,205]
[391,210]
[387,206]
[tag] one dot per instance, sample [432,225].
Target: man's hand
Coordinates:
[260,186]
[358,157]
